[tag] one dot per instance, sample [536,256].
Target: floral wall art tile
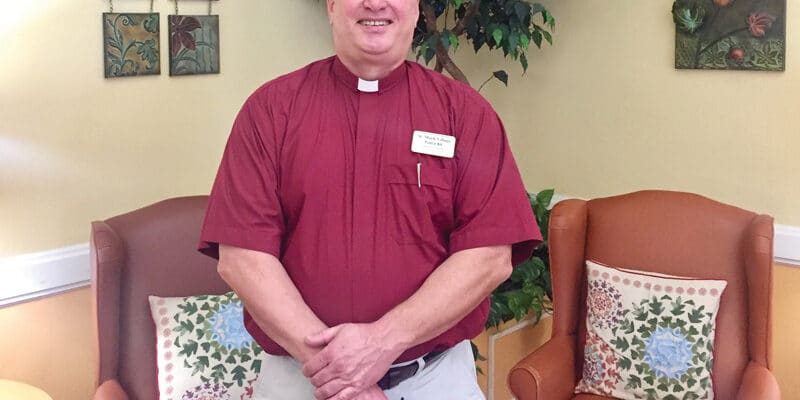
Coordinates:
[730,34]
[131,44]
[194,44]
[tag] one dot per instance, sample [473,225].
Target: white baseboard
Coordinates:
[787,244]
[35,275]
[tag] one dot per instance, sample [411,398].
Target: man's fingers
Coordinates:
[315,364]
[323,376]
[333,388]
[345,394]
[322,338]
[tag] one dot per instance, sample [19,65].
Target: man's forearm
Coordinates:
[447,296]
[271,298]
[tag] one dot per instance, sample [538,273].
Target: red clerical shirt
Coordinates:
[322,176]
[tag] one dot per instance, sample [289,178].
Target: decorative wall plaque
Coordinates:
[193,43]
[131,43]
[730,34]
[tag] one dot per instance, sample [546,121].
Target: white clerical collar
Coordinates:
[367,86]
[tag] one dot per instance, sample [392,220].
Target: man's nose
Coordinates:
[374,4]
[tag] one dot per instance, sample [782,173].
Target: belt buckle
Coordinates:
[396,375]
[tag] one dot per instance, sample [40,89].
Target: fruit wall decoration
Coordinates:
[730,34]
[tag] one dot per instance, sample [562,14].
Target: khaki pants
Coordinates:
[449,377]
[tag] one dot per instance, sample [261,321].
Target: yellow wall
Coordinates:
[785,326]
[76,147]
[49,344]
[603,111]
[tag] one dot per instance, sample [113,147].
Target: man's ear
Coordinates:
[330,10]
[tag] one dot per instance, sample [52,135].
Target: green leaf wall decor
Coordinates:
[131,44]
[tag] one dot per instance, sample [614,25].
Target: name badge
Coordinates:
[433,144]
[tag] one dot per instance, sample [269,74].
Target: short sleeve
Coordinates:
[244,208]
[491,204]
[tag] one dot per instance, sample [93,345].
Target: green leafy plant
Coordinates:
[528,289]
[508,25]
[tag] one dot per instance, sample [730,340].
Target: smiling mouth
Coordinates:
[374,22]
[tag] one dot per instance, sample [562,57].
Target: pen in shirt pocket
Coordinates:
[419,175]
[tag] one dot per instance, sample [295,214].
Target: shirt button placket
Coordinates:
[364,193]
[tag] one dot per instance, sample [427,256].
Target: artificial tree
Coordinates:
[508,25]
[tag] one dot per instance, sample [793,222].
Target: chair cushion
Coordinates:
[648,335]
[202,348]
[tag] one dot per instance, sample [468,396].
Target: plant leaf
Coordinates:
[453,40]
[547,37]
[524,41]
[545,197]
[497,35]
[476,354]
[502,76]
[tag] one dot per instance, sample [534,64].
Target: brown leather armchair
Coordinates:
[665,232]
[150,251]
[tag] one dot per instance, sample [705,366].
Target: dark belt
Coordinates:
[395,375]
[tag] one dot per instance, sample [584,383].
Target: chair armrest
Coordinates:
[758,383]
[110,390]
[546,374]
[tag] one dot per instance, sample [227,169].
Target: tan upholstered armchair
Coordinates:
[664,232]
[150,251]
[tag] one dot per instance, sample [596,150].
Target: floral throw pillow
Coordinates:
[649,336]
[202,348]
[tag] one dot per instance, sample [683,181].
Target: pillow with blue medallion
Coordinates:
[202,348]
[649,336]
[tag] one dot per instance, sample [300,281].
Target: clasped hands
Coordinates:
[352,360]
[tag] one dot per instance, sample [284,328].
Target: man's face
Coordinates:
[373,28]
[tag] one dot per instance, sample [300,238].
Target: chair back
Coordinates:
[677,234]
[150,251]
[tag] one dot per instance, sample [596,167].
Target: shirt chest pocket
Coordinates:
[420,203]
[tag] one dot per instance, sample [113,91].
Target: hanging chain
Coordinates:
[176,7]
[209,7]
[111,6]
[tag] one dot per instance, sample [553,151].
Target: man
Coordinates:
[364,209]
